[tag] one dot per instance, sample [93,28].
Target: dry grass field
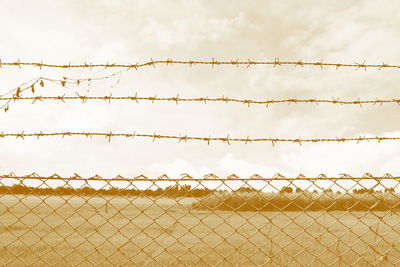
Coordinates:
[302,201]
[107,230]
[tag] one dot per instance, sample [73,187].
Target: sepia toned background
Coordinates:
[136,31]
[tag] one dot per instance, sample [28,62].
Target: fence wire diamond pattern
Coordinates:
[59,221]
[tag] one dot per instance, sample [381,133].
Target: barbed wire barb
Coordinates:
[276,62]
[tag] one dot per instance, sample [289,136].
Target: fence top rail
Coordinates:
[276,62]
[207,177]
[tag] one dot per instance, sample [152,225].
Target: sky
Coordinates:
[61,32]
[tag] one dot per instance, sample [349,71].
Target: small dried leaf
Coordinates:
[33,88]
[63,83]
[41,83]
[18,92]
[6,108]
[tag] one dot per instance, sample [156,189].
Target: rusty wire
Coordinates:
[304,221]
[185,138]
[177,99]
[212,62]
[209,176]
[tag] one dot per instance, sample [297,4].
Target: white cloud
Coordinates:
[352,158]
[177,167]
[243,168]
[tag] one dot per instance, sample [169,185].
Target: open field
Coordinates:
[303,201]
[108,230]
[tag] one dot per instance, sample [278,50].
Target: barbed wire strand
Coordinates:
[186,138]
[210,176]
[213,63]
[177,99]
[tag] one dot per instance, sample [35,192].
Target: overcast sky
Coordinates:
[112,31]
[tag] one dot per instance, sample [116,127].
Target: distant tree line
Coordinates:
[169,191]
[288,189]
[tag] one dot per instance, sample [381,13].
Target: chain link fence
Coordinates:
[75,221]
[185,221]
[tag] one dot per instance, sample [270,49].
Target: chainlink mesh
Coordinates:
[59,221]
